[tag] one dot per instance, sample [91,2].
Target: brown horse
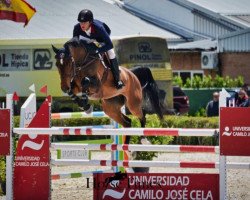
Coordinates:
[84,71]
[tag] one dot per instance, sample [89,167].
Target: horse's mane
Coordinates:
[75,42]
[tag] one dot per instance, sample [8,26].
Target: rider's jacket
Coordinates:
[98,31]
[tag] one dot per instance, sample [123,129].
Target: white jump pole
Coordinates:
[136,147]
[145,163]
[121,131]
[223,160]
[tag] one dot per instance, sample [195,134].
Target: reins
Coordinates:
[87,61]
[81,65]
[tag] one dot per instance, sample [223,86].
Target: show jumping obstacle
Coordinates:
[133,147]
[222,165]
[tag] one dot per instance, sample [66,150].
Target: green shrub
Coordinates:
[193,122]
[209,82]
[152,122]
[177,81]
[200,113]
[2,172]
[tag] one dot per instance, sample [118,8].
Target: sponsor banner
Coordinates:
[155,186]
[15,60]
[43,59]
[73,154]
[235,131]
[28,111]
[139,50]
[5,132]
[27,59]
[31,169]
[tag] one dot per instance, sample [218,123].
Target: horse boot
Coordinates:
[116,74]
[86,106]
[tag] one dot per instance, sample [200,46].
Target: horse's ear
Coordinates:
[55,49]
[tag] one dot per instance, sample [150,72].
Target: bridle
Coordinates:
[86,63]
[83,64]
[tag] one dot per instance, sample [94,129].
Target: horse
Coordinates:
[84,71]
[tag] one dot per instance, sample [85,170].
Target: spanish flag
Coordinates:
[16,10]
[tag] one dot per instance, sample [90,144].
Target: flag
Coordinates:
[16,10]
[44,89]
[32,88]
[15,97]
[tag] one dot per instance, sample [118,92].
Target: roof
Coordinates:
[238,11]
[243,19]
[183,16]
[224,7]
[201,44]
[55,19]
[237,41]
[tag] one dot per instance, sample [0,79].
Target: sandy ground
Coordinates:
[74,189]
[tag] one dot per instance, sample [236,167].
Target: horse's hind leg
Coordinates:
[135,107]
[134,104]
[112,107]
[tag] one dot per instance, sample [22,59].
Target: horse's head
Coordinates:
[82,52]
[65,68]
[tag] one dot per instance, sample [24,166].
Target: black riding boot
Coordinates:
[116,74]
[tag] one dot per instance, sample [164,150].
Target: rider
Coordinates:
[88,27]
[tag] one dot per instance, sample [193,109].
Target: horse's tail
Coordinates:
[150,88]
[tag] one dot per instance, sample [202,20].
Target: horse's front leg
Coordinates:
[84,103]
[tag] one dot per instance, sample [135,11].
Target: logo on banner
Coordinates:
[144,47]
[237,131]
[226,132]
[31,144]
[42,59]
[114,182]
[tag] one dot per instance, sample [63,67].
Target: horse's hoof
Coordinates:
[145,141]
[89,110]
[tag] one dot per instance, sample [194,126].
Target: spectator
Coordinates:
[213,106]
[246,87]
[242,100]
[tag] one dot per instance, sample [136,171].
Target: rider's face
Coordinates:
[85,25]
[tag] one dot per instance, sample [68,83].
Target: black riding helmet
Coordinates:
[85,16]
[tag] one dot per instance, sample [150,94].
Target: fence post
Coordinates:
[9,159]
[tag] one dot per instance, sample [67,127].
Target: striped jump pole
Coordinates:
[122,131]
[109,126]
[77,115]
[145,163]
[78,174]
[131,147]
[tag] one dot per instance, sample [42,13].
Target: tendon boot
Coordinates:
[116,74]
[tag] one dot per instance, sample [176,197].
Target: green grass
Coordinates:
[102,141]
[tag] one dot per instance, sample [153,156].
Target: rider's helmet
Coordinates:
[85,16]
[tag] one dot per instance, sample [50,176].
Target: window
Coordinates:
[188,74]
